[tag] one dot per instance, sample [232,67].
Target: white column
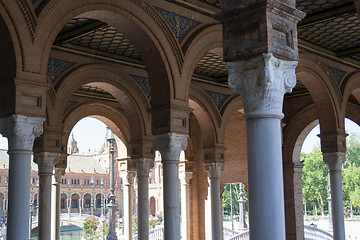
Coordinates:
[215,170]
[208,214]
[20,132]
[46,162]
[128,181]
[55,203]
[262,83]
[170,146]
[335,161]
[143,167]
[185,209]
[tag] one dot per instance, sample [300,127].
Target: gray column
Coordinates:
[143,167]
[185,210]
[335,161]
[128,181]
[170,146]
[20,132]
[55,203]
[262,83]
[214,170]
[46,162]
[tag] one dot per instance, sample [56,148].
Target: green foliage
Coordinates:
[314,178]
[90,226]
[235,187]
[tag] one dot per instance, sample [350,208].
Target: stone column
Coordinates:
[55,206]
[335,161]
[20,132]
[262,82]
[143,167]
[215,170]
[46,162]
[128,181]
[242,210]
[185,209]
[170,146]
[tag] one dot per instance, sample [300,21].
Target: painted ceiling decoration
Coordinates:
[180,25]
[218,98]
[338,74]
[70,104]
[56,67]
[144,84]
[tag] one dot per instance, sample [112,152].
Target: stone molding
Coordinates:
[334,160]
[262,83]
[46,162]
[185,177]
[128,177]
[214,169]
[143,166]
[170,146]
[21,131]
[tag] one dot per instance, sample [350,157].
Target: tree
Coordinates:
[235,188]
[314,178]
[89,226]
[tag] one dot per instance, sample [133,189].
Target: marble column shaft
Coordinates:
[185,178]
[170,146]
[262,82]
[20,131]
[214,170]
[55,203]
[128,182]
[335,161]
[46,162]
[143,167]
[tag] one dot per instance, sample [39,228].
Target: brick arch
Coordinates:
[121,86]
[115,120]
[350,86]
[160,52]
[207,116]
[9,59]
[295,132]
[353,113]
[233,105]
[324,92]
[208,39]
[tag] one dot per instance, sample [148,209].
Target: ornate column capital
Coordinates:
[58,174]
[185,177]
[262,83]
[170,146]
[46,162]
[21,131]
[143,166]
[214,169]
[128,177]
[334,160]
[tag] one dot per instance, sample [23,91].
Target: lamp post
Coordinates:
[102,196]
[92,195]
[30,220]
[112,204]
[37,197]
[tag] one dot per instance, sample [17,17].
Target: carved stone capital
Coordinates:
[58,174]
[143,166]
[334,160]
[170,146]
[46,162]
[21,131]
[185,177]
[262,83]
[128,177]
[214,169]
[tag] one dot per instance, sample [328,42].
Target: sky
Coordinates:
[90,134]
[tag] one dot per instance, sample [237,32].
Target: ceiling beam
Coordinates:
[348,52]
[327,15]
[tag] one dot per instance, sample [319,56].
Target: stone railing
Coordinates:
[316,234]
[241,236]
[228,233]
[156,233]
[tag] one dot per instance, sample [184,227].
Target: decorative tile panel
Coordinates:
[57,66]
[337,73]
[180,25]
[144,84]
[218,98]
[70,104]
